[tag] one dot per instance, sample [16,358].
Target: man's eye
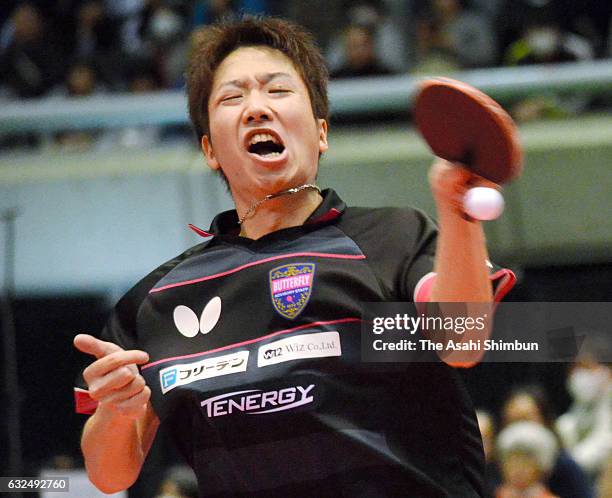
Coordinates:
[279,90]
[230,98]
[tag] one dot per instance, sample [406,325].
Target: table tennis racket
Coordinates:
[462,124]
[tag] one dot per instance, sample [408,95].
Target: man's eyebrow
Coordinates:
[262,78]
[267,77]
[237,83]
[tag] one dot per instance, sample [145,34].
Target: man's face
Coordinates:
[263,134]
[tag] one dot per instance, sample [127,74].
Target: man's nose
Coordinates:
[257,115]
[257,112]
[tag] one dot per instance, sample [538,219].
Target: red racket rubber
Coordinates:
[462,124]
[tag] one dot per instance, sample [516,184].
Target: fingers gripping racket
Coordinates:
[462,124]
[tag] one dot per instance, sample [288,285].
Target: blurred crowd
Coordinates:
[88,47]
[531,452]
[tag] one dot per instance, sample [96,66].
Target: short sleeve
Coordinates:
[417,272]
[418,262]
[399,245]
[502,279]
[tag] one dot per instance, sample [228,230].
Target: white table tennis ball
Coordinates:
[483,203]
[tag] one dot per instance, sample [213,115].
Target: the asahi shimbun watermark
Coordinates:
[469,332]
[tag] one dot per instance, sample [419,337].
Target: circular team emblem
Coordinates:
[290,288]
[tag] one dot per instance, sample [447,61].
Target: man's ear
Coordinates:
[323,146]
[207,148]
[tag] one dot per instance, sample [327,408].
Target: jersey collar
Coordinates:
[226,223]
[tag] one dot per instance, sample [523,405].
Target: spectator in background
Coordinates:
[360,57]
[81,81]
[527,452]
[545,42]
[387,37]
[530,403]
[451,36]
[586,428]
[89,16]
[142,78]
[179,482]
[515,15]
[30,64]
[127,16]
[166,41]
[586,18]
[97,38]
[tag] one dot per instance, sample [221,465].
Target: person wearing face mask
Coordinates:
[586,428]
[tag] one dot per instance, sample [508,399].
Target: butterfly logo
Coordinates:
[187,322]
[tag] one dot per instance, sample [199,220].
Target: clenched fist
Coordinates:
[450,181]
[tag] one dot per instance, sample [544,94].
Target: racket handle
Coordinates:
[483,203]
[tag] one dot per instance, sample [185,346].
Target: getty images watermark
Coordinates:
[468,332]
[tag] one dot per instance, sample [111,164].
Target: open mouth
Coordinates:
[265,145]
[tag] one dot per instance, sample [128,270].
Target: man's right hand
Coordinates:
[113,379]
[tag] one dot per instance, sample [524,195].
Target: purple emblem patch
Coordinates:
[290,288]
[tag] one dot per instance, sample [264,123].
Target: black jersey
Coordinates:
[255,361]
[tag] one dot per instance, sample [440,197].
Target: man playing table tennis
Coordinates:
[248,343]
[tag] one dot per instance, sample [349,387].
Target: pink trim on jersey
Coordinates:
[251,341]
[200,232]
[332,214]
[254,263]
[507,281]
[422,291]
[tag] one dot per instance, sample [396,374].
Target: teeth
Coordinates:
[263,137]
[272,154]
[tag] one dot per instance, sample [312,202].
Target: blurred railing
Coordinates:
[348,97]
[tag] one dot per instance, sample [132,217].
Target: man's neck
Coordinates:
[281,212]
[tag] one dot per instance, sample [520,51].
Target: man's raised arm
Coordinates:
[461,255]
